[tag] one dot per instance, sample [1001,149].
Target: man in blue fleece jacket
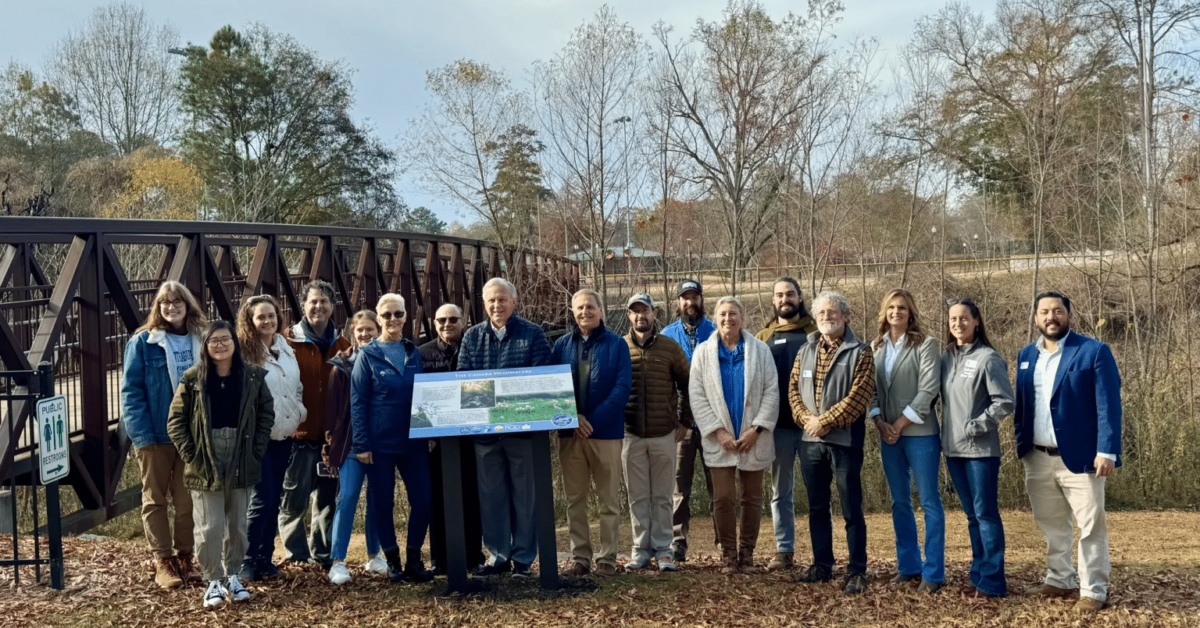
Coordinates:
[600,367]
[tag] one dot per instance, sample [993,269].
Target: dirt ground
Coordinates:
[1156,582]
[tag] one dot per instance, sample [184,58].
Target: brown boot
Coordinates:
[782,560]
[187,568]
[729,563]
[746,557]
[165,574]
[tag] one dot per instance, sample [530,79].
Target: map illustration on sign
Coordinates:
[470,403]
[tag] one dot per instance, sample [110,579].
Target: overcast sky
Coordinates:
[390,45]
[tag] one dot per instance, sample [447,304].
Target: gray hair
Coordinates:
[457,309]
[731,299]
[591,293]
[500,282]
[835,298]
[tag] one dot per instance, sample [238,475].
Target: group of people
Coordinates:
[245,428]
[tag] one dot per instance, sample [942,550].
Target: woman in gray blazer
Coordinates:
[976,396]
[906,385]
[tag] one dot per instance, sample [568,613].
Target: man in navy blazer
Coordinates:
[1068,429]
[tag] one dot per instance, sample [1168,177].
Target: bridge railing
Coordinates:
[72,291]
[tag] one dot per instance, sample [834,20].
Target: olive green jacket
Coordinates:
[188,426]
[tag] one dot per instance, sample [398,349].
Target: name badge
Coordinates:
[807,374]
[781,341]
[1024,365]
[969,368]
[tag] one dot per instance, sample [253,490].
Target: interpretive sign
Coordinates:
[505,401]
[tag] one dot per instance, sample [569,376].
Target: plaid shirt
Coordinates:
[854,405]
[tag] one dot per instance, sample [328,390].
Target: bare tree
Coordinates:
[741,87]
[454,145]
[121,77]
[588,104]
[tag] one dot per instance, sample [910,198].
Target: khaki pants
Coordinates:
[650,481]
[162,478]
[1060,499]
[725,504]
[584,461]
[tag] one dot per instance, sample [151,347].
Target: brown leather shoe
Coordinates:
[187,568]
[605,570]
[1049,590]
[729,565]
[577,569]
[746,557]
[782,560]
[165,574]
[1088,606]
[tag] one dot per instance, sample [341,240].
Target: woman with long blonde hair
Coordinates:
[907,381]
[166,345]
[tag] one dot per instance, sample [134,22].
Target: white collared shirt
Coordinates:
[500,332]
[1043,388]
[891,351]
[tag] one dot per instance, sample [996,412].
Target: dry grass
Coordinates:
[1155,583]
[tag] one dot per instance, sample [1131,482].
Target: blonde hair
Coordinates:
[915,334]
[391,297]
[361,315]
[195,321]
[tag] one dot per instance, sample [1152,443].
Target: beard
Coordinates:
[831,329]
[642,326]
[1058,335]
[691,314]
[787,310]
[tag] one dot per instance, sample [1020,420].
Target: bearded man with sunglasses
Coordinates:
[440,355]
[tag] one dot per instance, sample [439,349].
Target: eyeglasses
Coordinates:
[175,304]
[223,341]
[453,320]
[399,314]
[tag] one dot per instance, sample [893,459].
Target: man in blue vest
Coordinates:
[689,329]
[1068,428]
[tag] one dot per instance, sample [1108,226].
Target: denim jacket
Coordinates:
[381,399]
[147,386]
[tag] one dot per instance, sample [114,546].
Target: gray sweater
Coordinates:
[976,396]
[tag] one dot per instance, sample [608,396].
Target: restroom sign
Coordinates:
[54,440]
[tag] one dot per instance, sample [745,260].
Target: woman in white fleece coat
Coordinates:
[259,322]
[734,393]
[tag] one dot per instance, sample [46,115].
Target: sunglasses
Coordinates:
[453,320]
[399,314]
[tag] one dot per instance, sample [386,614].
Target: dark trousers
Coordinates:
[413,465]
[472,522]
[263,518]
[302,485]
[823,464]
[685,472]
[976,480]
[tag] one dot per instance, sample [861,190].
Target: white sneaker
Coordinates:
[237,592]
[215,595]
[338,574]
[377,565]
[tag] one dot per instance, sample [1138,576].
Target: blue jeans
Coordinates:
[915,459]
[506,504]
[783,484]
[350,481]
[976,481]
[263,516]
[413,465]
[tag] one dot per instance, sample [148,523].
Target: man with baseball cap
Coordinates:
[689,329]
[656,418]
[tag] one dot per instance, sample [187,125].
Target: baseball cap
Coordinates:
[640,297]
[689,284]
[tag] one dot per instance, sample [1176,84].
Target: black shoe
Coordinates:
[815,574]
[249,571]
[902,578]
[395,568]
[493,569]
[414,568]
[266,569]
[680,554]
[521,571]
[323,563]
[854,584]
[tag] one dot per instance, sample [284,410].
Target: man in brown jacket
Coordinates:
[653,426]
[315,340]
